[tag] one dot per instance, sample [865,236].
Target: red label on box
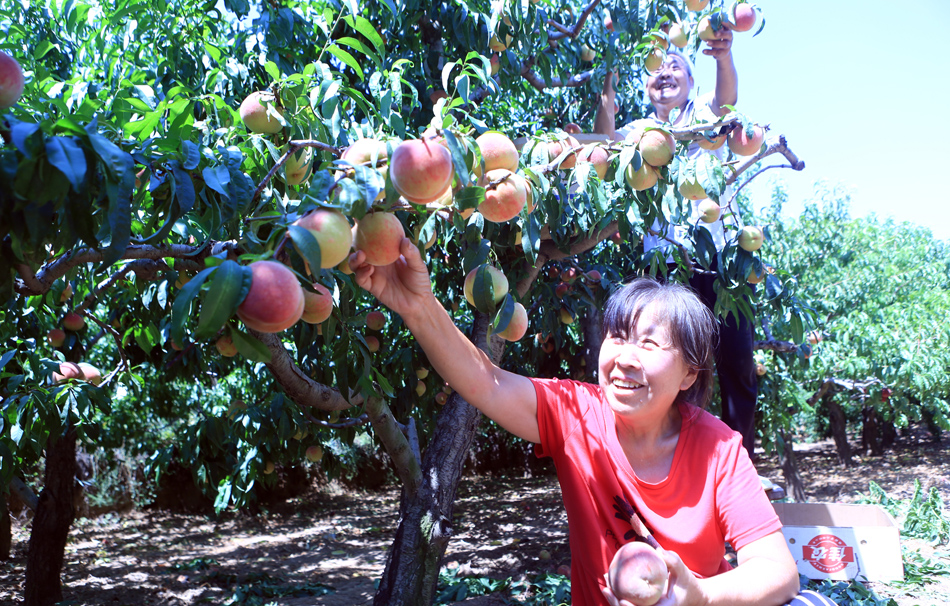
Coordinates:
[828,553]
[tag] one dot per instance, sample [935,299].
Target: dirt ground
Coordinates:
[328,548]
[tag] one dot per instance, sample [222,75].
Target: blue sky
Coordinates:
[860,90]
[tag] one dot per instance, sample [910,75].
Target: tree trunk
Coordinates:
[6,532]
[54,516]
[591,324]
[838,429]
[793,479]
[870,432]
[425,519]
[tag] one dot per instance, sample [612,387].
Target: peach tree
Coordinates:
[182,182]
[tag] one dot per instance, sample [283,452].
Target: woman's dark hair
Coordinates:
[691,324]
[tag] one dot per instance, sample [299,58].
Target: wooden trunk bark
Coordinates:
[839,430]
[592,325]
[54,516]
[425,519]
[6,532]
[793,479]
[871,432]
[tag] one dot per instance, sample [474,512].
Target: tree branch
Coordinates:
[774,145]
[550,252]
[299,387]
[539,83]
[774,345]
[24,493]
[292,148]
[575,31]
[397,446]
[56,269]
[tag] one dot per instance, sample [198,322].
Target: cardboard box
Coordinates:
[841,542]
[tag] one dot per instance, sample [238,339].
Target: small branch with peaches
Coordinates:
[292,148]
[563,31]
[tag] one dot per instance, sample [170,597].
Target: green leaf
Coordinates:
[347,59]
[483,290]
[181,308]
[68,158]
[250,347]
[504,315]
[307,246]
[366,28]
[458,159]
[228,289]
[469,197]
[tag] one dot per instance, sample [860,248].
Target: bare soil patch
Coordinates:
[328,548]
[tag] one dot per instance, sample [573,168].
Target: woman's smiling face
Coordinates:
[642,372]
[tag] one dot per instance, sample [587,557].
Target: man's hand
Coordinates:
[402,286]
[720,47]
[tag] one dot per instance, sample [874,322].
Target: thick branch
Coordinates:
[773,345]
[539,83]
[572,32]
[395,443]
[23,492]
[550,252]
[774,145]
[299,387]
[54,270]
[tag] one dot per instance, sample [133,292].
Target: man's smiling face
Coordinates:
[670,85]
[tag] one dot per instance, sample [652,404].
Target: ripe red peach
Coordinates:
[743,17]
[254,113]
[331,230]
[298,166]
[372,343]
[505,195]
[742,145]
[713,143]
[705,30]
[11,81]
[696,5]
[645,178]
[364,151]
[317,306]
[751,238]
[654,59]
[225,346]
[56,337]
[499,285]
[678,35]
[421,170]
[73,322]
[656,147]
[90,373]
[275,300]
[518,325]
[692,190]
[379,235]
[709,211]
[638,574]
[375,320]
[556,148]
[596,155]
[314,454]
[498,151]
[68,370]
